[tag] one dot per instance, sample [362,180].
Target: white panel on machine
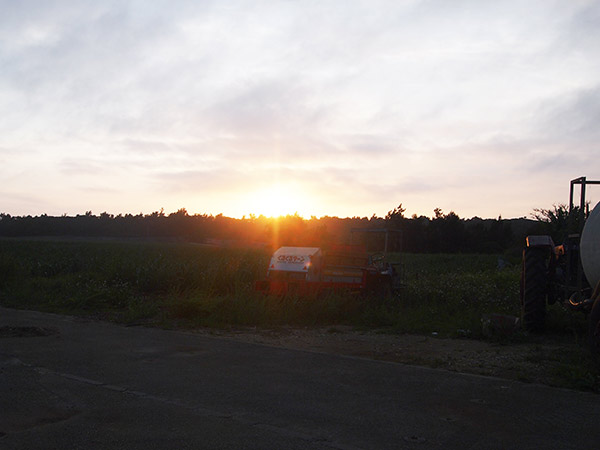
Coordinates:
[302,260]
[590,247]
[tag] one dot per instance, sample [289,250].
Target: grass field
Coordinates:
[129,282]
[201,286]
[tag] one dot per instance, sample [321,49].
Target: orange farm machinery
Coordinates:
[311,270]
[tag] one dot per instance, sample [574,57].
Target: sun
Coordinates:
[277,200]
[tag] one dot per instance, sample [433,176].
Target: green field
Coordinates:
[200,286]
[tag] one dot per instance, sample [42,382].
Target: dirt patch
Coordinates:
[538,361]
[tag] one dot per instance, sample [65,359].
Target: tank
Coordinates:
[590,247]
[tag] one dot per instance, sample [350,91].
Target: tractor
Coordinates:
[568,273]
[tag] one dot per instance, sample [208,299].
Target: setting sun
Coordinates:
[277,200]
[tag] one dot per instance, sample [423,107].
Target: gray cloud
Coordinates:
[82,167]
[584,28]
[574,115]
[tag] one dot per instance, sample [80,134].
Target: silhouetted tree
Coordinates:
[559,222]
[442,233]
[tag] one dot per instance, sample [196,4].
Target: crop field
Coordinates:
[200,286]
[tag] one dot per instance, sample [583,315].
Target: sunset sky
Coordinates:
[343,108]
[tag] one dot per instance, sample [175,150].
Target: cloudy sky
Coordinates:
[323,107]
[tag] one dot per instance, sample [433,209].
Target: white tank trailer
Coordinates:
[568,273]
[590,247]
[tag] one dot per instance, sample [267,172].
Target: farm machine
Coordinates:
[312,270]
[568,273]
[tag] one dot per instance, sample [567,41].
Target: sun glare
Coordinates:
[277,200]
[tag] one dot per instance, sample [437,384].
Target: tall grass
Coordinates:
[196,285]
[450,294]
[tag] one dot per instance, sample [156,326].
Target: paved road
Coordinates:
[89,385]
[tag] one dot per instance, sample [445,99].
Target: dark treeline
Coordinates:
[442,233]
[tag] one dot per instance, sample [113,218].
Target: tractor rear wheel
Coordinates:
[534,288]
[594,328]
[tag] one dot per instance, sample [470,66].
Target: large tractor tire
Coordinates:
[594,328]
[534,288]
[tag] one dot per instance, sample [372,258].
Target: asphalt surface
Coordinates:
[69,383]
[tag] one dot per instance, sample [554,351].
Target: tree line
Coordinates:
[441,233]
